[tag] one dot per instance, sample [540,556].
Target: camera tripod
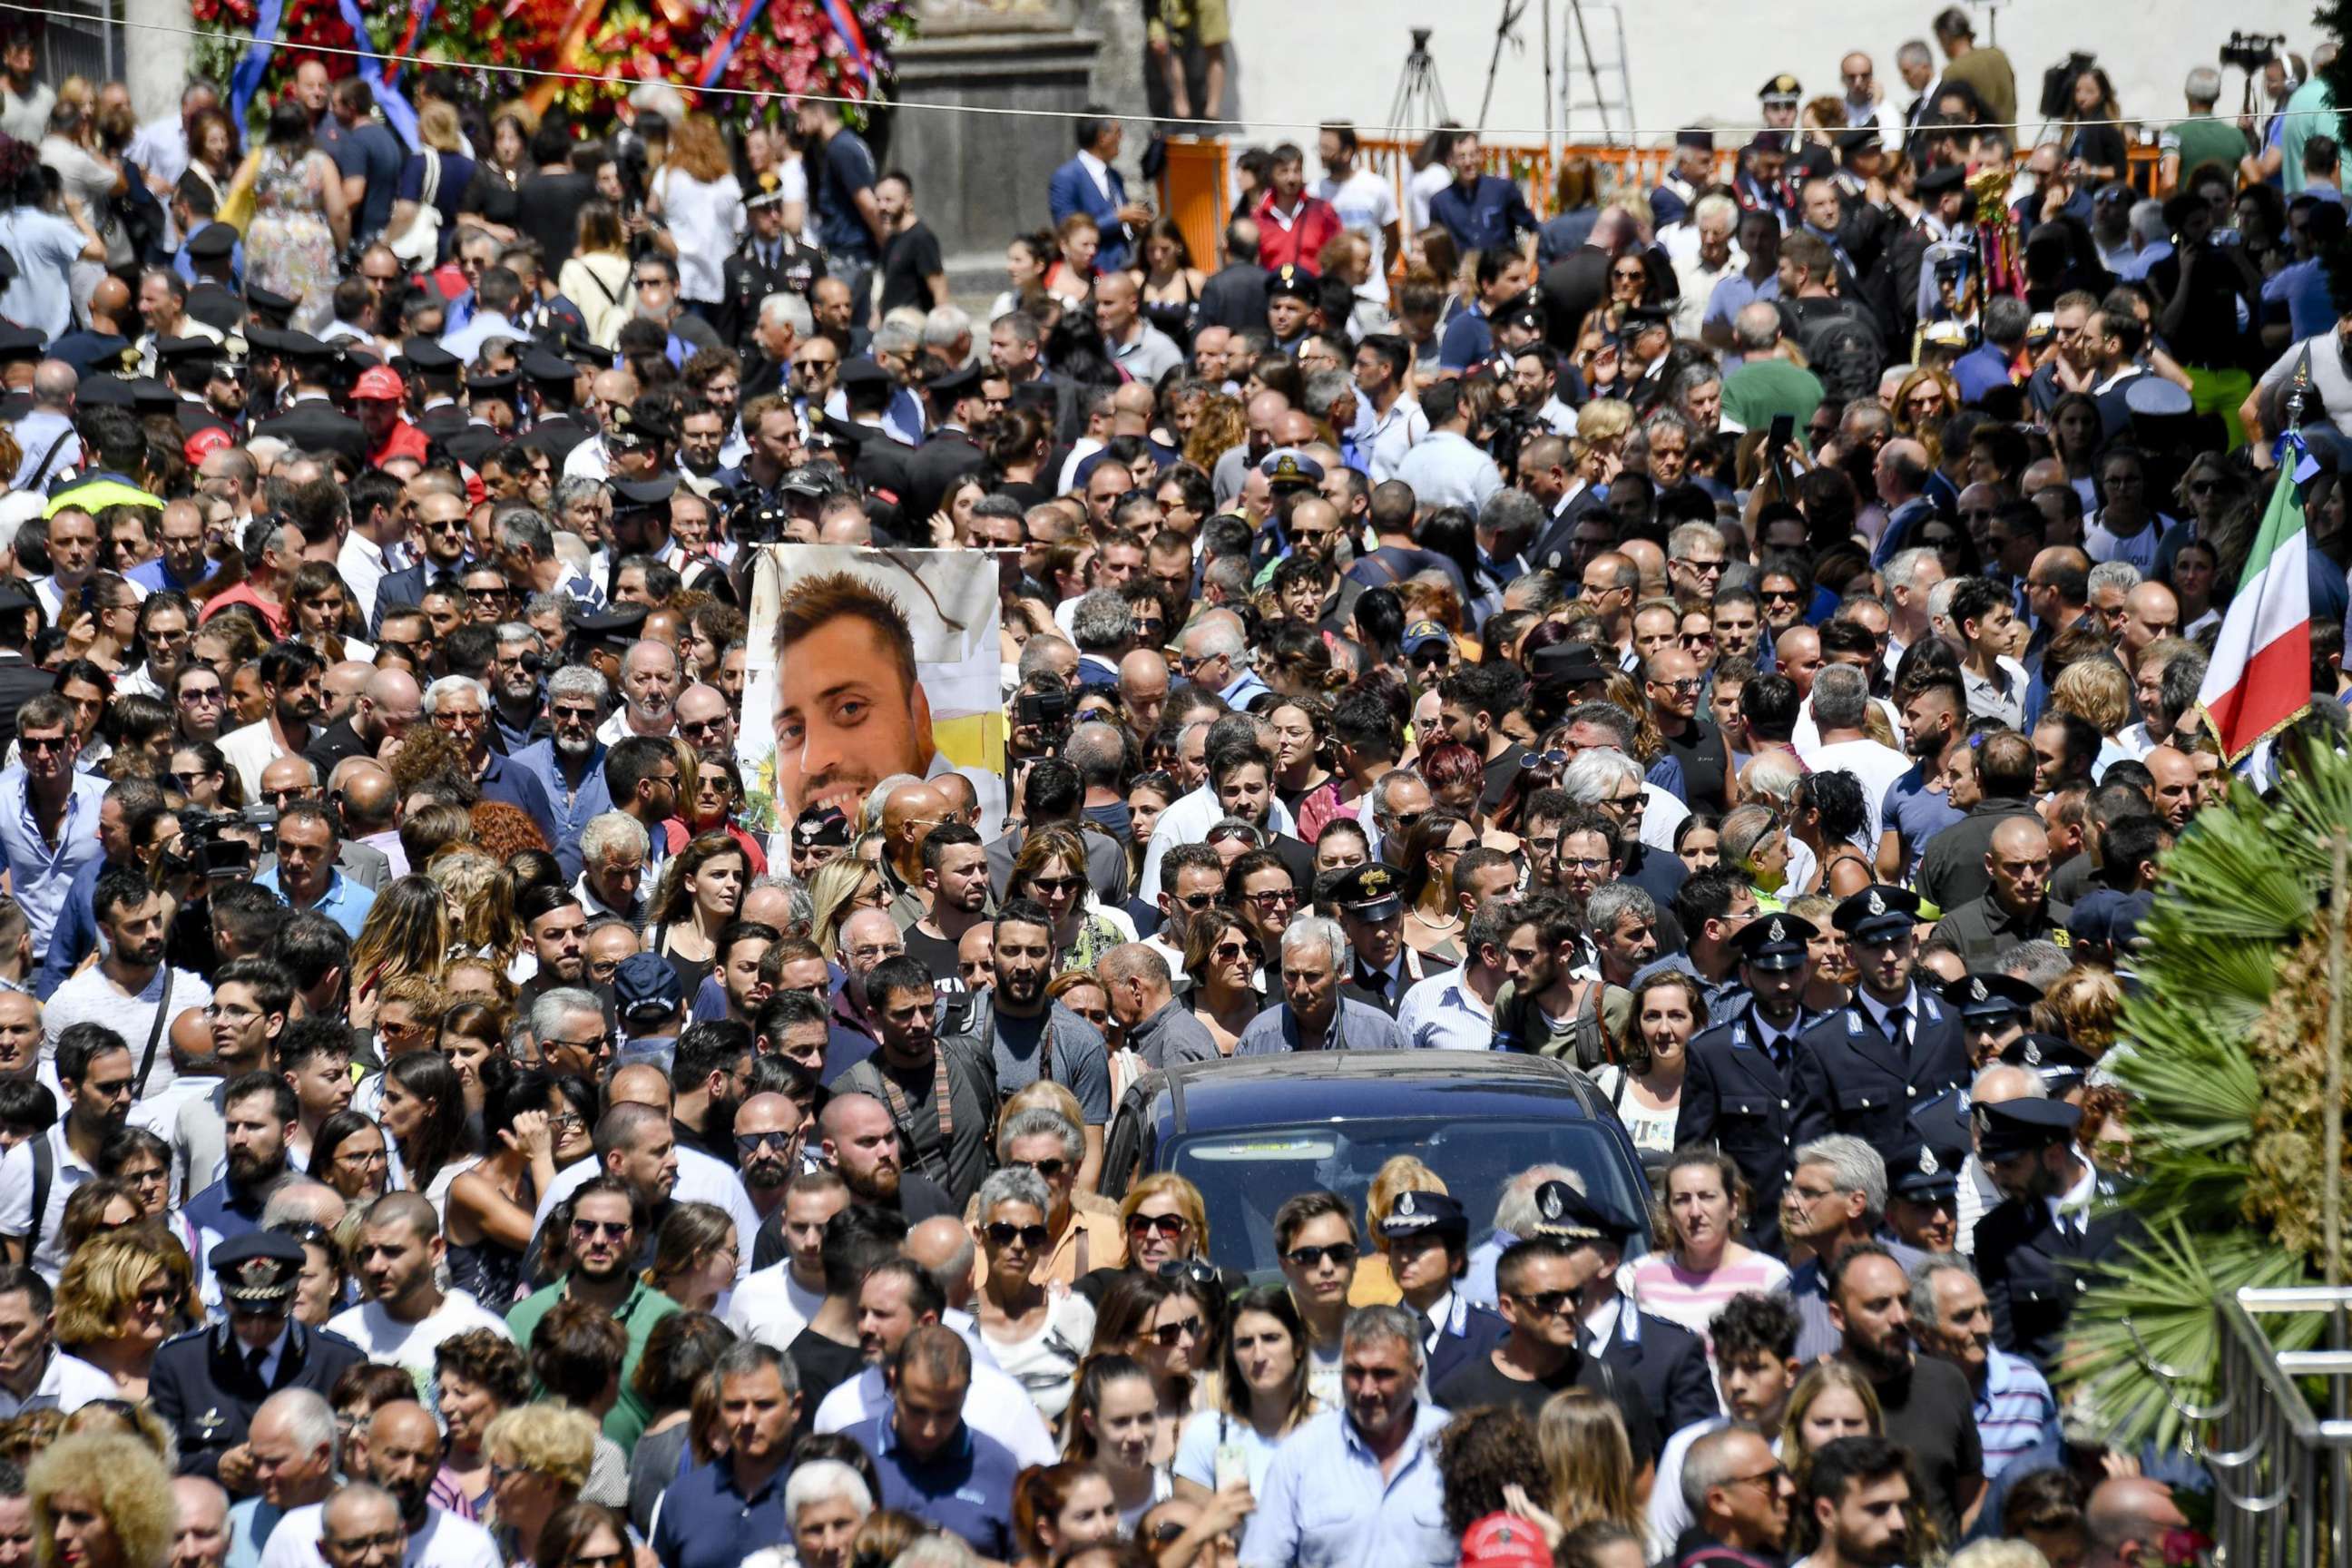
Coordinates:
[1419,105]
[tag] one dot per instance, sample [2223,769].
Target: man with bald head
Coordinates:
[1258,418]
[403,1457]
[2151,612]
[2127,1518]
[2017,907]
[648,694]
[1900,473]
[363,789]
[2175,793]
[200,1522]
[1143,690]
[705,722]
[387,703]
[913,809]
[340,687]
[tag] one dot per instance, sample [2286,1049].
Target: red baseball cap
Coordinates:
[205,442]
[378,384]
[1504,1540]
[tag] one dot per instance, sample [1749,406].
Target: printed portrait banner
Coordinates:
[836,714]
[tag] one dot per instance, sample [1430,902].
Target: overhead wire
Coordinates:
[242,39]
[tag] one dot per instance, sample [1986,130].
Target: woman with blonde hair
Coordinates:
[1589,1460]
[2097,691]
[1374,1285]
[433,185]
[1923,401]
[406,932]
[119,1298]
[697,197]
[111,1494]
[599,277]
[1220,426]
[840,889]
[481,904]
[540,1455]
[2082,1005]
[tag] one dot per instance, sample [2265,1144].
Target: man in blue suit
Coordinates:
[1087,183]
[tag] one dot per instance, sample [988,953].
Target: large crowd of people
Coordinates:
[1740,638]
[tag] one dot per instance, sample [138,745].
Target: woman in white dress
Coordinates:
[696,194]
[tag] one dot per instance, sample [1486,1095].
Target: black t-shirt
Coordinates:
[937,953]
[1930,1411]
[910,256]
[1700,748]
[1479,1380]
[547,208]
[920,1199]
[823,1366]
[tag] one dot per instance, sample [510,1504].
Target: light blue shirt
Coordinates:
[37,872]
[1443,1013]
[1446,469]
[1357,1028]
[1324,1504]
[571,809]
[345,902]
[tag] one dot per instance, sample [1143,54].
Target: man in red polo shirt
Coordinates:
[1293,227]
[376,399]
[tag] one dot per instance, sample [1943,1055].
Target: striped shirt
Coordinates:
[2015,1411]
[1659,1285]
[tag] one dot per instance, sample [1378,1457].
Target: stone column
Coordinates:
[155,62]
[981,178]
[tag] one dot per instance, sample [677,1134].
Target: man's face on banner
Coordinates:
[846,719]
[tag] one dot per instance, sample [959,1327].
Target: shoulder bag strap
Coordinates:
[154,1037]
[34,484]
[45,1177]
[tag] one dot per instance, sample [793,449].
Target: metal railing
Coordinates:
[2281,1473]
[82,38]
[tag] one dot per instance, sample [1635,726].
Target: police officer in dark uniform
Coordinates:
[1454,1329]
[949,452]
[602,640]
[770,262]
[2060,1064]
[1993,1010]
[208,1382]
[1371,912]
[1866,1068]
[1736,1092]
[2057,1216]
[1923,1182]
[1665,1361]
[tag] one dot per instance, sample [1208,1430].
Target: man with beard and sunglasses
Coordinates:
[259,1113]
[1926,1403]
[570,762]
[1918,805]
[607,1222]
[1539,1285]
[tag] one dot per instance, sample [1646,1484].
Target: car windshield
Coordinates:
[1245,1175]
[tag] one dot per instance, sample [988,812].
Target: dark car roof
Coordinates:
[1315,1086]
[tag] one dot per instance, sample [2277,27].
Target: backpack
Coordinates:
[1841,347]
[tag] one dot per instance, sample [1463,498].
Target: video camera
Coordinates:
[2058,84]
[2250,52]
[221,843]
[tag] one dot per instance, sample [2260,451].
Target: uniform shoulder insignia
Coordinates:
[1853,1022]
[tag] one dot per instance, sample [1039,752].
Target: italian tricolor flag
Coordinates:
[2260,678]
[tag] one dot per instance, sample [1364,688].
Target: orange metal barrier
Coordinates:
[1196,188]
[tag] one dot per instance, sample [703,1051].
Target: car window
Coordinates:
[1246,1175]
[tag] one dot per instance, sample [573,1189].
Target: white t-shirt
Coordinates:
[90,997]
[1042,1363]
[410,1346]
[1366,205]
[16,1197]
[1206,1431]
[1874,766]
[996,1407]
[701,1180]
[445,1541]
[705,217]
[773,1307]
[66,1384]
[2102,546]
